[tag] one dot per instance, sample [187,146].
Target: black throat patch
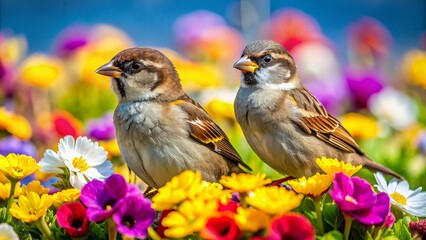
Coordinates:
[250,79]
[120,86]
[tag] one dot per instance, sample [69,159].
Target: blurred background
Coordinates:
[365,60]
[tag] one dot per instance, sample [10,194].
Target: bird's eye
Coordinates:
[137,66]
[267,58]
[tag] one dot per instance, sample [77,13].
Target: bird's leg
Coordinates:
[278,182]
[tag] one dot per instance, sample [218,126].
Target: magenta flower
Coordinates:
[356,198]
[103,128]
[72,217]
[102,199]
[362,84]
[134,216]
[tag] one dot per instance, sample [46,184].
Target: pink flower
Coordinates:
[221,228]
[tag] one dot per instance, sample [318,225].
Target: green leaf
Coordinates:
[333,235]
[332,216]
[401,229]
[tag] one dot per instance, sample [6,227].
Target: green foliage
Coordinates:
[332,235]
[401,228]
[332,217]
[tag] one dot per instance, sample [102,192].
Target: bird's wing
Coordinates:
[315,120]
[204,130]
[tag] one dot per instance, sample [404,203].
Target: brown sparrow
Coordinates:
[160,130]
[283,122]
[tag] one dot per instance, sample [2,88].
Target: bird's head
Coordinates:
[267,65]
[142,74]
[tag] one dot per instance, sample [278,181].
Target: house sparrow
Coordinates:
[283,122]
[160,130]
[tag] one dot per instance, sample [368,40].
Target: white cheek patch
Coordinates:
[280,86]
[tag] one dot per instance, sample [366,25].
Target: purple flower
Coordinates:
[134,216]
[11,144]
[71,39]
[103,128]
[102,199]
[356,198]
[362,84]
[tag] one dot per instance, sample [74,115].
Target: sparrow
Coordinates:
[160,130]
[285,125]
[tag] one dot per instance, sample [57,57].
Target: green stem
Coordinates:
[378,233]
[318,210]
[11,199]
[348,225]
[44,229]
[153,234]
[112,229]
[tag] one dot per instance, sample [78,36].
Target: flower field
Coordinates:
[62,175]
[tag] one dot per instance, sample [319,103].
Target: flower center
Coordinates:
[128,221]
[351,199]
[399,198]
[17,170]
[76,223]
[80,163]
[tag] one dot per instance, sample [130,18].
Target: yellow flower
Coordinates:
[15,124]
[274,200]
[414,65]
[41,70]
[12,49]
[244,182]
[16,167]
[183,186]
[359,126]
[312,186]
[31,207]
[65,196]
[191,216]
[111,146]
[251,219]
[34,186]
[5,190]
[331,166]
[219,108]
[214,191]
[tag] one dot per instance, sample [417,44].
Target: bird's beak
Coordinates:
[245,64]
[109,70]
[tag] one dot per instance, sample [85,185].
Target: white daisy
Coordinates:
[412,202]
[85,159]
[6,232]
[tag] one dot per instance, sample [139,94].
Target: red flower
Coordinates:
[291,226]
[72,217]
[228,207]
[161,228]
[221,228]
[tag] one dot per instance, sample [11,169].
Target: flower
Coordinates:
[12,144]
[274,200]
[102,199]
[5,190]
[66,196]
[183,186]
[410,201]
[16,167]
[389,221]
[251,219]
[361,127]
[34,186]
[331,166]
[84,159]
[393,108]
[355,197]
[103,128]
[221,228]
[414,65]
[362,84]
[72,217]
[7,232]
[313,186]
[71,40]
[31,207]
[65,124]
[418,227]
[244,182]
[15,124]
[291,226]
[134,216]
[41,70]
[191,216]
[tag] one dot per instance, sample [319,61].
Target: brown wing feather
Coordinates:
[316,120]
[206,131]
